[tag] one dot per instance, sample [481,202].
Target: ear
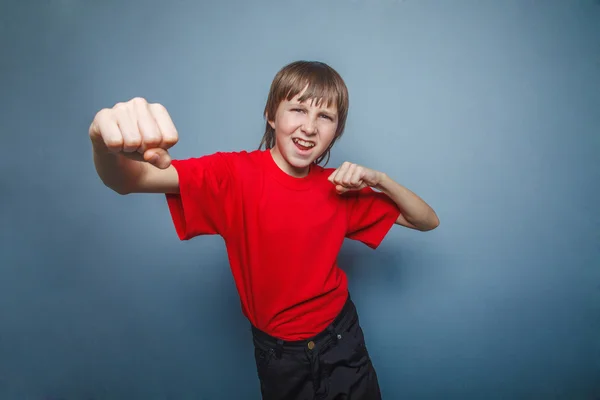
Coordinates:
[271,123]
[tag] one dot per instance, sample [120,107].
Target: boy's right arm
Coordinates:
[130,145]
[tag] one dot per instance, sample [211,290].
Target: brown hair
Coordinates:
[324,84]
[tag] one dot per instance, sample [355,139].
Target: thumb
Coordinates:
[341,189]
[158,157]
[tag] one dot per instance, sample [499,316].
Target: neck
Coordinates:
[286,167]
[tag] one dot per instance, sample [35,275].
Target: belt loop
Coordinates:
[279,348]
[332,333]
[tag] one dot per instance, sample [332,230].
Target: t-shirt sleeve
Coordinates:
[371,215]
[205,194]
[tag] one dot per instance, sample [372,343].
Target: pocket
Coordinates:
[263,358]
[359,355]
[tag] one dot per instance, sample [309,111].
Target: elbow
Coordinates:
[124,189]
[118,189]
[121,191]
[436,222]
[431,225]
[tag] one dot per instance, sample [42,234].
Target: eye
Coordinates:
[326,117]
[297,110]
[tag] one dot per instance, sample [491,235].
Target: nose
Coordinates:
[310,126]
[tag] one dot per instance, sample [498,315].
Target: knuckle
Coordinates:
[102,115]
[158,107]
[114,143]
[170,137]
[151,139]
[131,140]
[150,131]
[138,101]
[151,142]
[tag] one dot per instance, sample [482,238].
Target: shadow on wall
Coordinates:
[382,268]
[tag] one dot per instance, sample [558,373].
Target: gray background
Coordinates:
[489,110]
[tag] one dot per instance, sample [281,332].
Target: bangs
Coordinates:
[323,87]
[319,91]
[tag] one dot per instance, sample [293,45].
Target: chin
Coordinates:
[300,164]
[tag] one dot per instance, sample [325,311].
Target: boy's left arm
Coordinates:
[414,212]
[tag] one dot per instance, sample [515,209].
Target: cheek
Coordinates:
[327,131]
[289,124]
[283,130]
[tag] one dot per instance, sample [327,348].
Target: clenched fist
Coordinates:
[351,176]
[136,129]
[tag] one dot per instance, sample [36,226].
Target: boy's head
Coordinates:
[308,100]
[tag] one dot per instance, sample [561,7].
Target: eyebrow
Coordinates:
[330,113]
[324,111]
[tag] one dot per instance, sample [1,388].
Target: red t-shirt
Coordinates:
[282,234]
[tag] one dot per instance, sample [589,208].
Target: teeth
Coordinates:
[304,143]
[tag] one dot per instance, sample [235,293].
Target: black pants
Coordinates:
[332,365]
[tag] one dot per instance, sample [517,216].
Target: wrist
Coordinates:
[381,181]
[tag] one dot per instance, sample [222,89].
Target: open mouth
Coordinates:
[303,145]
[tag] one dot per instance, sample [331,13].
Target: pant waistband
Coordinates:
[344,319]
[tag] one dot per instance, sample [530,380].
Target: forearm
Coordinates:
[413,208]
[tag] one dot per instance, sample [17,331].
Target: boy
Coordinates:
[283,218]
